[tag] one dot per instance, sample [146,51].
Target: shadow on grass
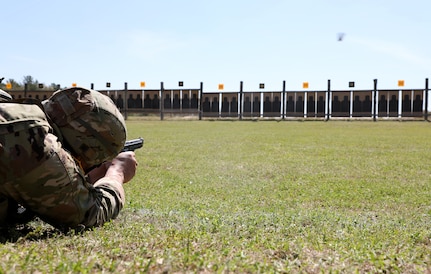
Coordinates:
[13,234]
[34,231]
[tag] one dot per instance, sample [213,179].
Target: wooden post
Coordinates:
[200,100]
[125,100]
[328,101]
[426,100]
[284,100]
[375,101]
[161,101]
[240,101]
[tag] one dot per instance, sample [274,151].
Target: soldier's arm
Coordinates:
[110,189]
[122,168]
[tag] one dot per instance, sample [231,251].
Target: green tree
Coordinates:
[31,83]
[15,84]
[54,86]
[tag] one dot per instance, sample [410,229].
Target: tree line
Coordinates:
[28,82]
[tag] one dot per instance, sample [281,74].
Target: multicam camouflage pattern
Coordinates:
[4,97]
[90,124]
[36,172]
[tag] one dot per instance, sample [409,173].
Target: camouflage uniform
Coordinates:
[4,97]
[39,174]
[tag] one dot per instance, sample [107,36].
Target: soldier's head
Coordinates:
[89,124]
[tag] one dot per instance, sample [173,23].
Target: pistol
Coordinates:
[131,145]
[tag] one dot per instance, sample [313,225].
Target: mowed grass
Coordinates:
[266,196]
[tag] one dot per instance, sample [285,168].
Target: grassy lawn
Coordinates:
[266,196]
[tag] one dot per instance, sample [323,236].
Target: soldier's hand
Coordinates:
[124,165]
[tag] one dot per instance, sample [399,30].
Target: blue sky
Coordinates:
[224,41]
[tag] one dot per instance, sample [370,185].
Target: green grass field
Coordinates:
[266,196]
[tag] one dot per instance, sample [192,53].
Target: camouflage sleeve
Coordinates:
[37,173]
[54,186]
[89,205]
[110,199]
